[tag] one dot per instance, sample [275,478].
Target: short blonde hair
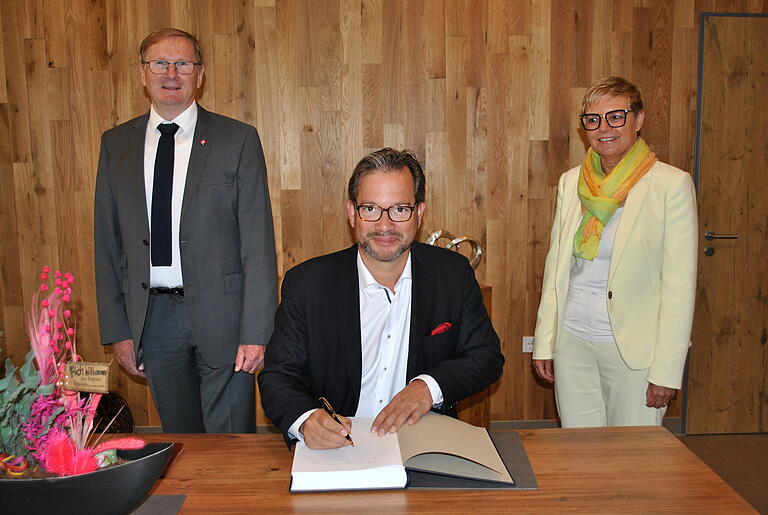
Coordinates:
[613,87]
[169,32]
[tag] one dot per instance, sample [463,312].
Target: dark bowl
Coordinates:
[112,490]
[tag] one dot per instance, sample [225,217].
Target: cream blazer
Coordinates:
[652,277]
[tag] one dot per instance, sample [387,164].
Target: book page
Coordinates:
[374,462]
[442,444]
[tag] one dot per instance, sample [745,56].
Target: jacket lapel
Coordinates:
[347,298]
[632,209]
[197,158]
[132,161]
[573,217]
[422,288]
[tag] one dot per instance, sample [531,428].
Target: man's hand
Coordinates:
[322,432]
[545,368]
[658,396]
[125,355]
[411,403]
[250,358]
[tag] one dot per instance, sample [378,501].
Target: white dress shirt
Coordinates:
[169,276]
[586,308]
[385,327]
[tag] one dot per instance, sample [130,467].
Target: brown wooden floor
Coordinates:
[741,460]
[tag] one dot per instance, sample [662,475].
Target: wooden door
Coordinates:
[728,371]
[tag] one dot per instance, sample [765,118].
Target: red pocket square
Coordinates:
[441,328]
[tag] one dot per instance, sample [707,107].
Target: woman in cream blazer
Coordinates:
[618,357]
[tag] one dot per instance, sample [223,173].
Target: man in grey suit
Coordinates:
[184,247]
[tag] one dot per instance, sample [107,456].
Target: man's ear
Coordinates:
[351,212]
[420,208]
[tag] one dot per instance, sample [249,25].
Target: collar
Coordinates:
[366,279]
[186,120]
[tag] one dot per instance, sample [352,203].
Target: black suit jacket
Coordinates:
[225,236]
[315,348]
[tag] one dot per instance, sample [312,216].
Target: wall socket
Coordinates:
[527,343]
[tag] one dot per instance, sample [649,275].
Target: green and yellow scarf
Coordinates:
[602,194]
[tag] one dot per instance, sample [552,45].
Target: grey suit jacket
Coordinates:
[225,235]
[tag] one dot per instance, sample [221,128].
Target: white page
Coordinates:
[374,462]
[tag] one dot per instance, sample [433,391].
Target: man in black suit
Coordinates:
[387,329]
[184,246]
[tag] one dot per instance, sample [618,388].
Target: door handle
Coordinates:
[712,235]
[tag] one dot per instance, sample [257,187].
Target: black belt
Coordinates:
[162,290]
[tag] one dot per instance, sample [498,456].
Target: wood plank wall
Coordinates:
[485,92]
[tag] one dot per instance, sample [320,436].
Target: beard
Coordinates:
[367,246]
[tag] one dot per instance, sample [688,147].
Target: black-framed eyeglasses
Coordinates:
[615,119]
[372,212]
[159,66]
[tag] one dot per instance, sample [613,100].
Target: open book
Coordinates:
[436,444]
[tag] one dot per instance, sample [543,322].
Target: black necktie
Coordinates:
[162,191]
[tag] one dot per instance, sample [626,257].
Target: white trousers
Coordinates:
[594,387]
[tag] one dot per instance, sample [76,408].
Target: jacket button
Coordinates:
[610,294]
[145,242]
[144,285]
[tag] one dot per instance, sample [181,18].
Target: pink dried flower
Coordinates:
[44,303]
[70,331]
[43,287]
[63,458]
[43,276]
[59,325]
[46,269]
[65,298]
[57,290]
[67,313]
[51,313]
[47,328]
[57,273]
[57,282]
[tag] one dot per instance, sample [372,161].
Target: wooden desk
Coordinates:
[581,470]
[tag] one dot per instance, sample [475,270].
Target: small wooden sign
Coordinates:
[83,376]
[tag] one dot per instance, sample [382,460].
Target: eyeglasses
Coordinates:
[158,66]
[372,212]
[615,119]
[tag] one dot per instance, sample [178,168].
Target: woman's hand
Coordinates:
[545,368]
[658,396]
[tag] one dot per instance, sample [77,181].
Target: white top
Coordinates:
[169,276]
[586,308]
[385,326]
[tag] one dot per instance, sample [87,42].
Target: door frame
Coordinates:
[697,158]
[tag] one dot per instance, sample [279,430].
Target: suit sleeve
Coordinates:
[478,361]
[546,317]
[108,256]
[284,382]
[678,284]
[257,244]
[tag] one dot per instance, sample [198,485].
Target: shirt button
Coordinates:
[389,336]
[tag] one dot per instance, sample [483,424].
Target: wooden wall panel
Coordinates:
[485,91]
